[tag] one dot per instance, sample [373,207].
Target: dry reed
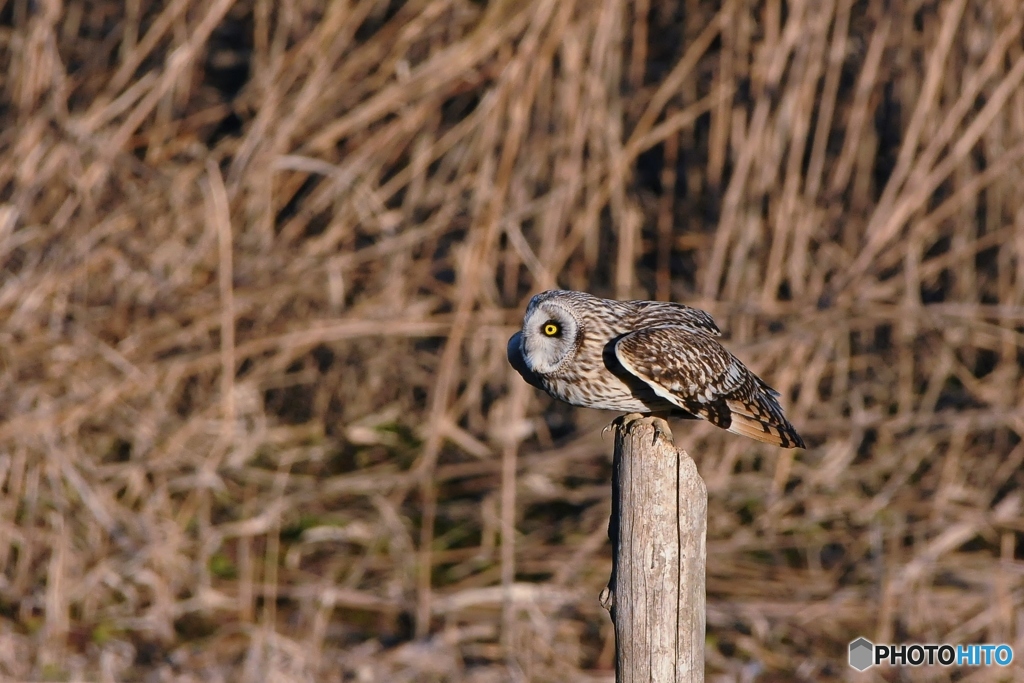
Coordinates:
[260,261]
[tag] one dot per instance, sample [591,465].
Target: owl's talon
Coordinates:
[619,423]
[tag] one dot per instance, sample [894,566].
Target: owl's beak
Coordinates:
[517,359]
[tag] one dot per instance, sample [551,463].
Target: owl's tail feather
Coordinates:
[762,423]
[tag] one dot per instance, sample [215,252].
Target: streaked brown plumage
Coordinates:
[645,357]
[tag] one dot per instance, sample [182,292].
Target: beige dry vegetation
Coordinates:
[260,261]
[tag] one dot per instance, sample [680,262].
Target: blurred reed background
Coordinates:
[259,264]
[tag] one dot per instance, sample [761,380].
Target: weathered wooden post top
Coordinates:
[656,593]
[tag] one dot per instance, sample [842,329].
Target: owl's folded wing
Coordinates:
[670,314]
[696,373]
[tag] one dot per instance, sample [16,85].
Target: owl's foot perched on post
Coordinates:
[620,422]
[657,420]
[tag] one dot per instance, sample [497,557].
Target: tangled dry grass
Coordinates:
[260,261]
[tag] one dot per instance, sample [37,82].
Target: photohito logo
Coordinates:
[865,654]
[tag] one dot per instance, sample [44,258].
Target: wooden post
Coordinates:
[658,529]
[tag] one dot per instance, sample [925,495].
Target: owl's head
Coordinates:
[550,332]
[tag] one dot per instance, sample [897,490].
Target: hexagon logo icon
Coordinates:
[861,653]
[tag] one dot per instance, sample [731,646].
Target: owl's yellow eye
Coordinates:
[551,329]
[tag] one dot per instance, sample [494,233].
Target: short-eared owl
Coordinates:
[643,357]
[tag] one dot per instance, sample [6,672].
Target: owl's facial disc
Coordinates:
[549,336]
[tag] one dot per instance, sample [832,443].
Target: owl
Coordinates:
[643,357]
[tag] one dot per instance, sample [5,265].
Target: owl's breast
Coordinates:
[587,381]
